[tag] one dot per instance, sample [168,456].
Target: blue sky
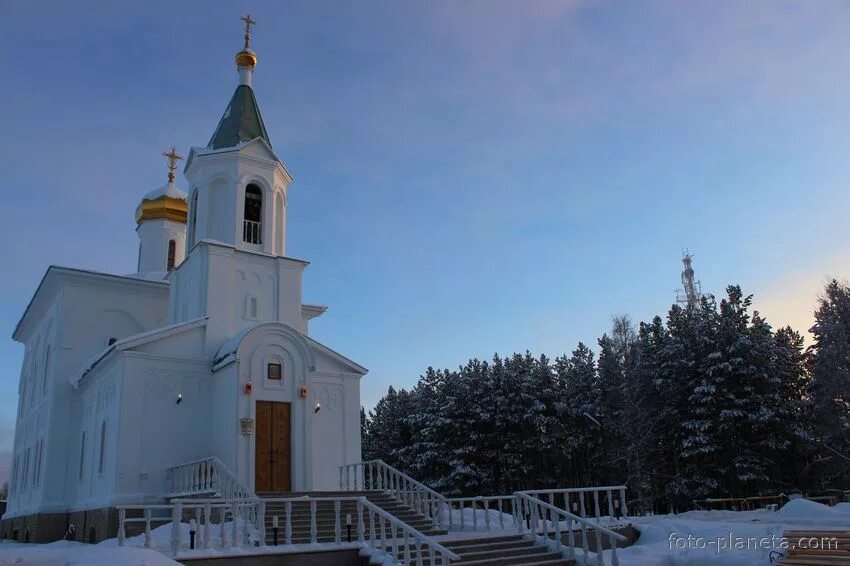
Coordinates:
[470,177]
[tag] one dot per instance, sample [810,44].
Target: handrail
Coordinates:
[405,476]
[207,475]
[576,489]
[433,546]
[485,507]
[534,506]
[401,486]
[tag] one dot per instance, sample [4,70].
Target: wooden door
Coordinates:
[272,458]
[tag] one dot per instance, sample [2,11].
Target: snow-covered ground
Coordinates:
[65,553]
[731,538]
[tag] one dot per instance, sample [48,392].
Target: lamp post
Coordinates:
[348,525]
[274,528]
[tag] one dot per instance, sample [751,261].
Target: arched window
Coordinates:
[172,245]
[193,219]
[252,224]
[252,307]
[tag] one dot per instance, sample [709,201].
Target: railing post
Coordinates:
[394,540]
[313,530]
[406,543]
[122,514]
[207,524]
[222,515]
[234,513]
[261,522]
[148,537]
[372,528]
[337,534]
[288,530]
[176,531]
[246,523]
[623,501]
[361,528]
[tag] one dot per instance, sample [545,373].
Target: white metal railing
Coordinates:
[544,521]
[605,504]
[245,526]
[377,475]
[306,520]
[487,513]
[206,477]
[252,232]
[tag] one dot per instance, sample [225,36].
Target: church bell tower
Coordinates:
[238,184]
[235,273]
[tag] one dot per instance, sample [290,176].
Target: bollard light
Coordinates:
[348,525]
[192,528]
[274,528]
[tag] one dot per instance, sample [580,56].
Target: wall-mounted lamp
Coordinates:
[317,408]
[179,398]
[303,392]
[248,387]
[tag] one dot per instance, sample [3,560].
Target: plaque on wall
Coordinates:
[246,426]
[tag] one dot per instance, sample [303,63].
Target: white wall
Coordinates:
[154,236]
[73,316]
[217,281]
[156,432]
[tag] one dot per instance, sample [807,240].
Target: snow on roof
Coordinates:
[137,340]
[58,270]
[232,344]
[167,190]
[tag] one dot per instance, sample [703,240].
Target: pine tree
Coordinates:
[830,384]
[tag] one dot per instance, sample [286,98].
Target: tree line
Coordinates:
[711,402]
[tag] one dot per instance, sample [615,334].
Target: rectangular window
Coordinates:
[26,468]
[275,371]
[46,367]
[36,473]
[102,447]
[82,455]
[15,466]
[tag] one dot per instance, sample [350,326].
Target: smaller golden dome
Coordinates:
[246,58]
[164,207]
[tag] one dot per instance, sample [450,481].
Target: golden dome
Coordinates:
[246,58]
[164,207]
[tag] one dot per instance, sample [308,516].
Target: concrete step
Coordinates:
[517,552]
[500,545]
[541,558]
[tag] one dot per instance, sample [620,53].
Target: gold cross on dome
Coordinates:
[173,158]
[248,22]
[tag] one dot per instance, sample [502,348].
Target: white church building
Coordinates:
[203,354]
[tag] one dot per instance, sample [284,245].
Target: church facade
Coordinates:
[203,353]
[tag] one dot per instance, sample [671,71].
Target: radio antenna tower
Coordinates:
[692,292]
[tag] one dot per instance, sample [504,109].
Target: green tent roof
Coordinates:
[241,121]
